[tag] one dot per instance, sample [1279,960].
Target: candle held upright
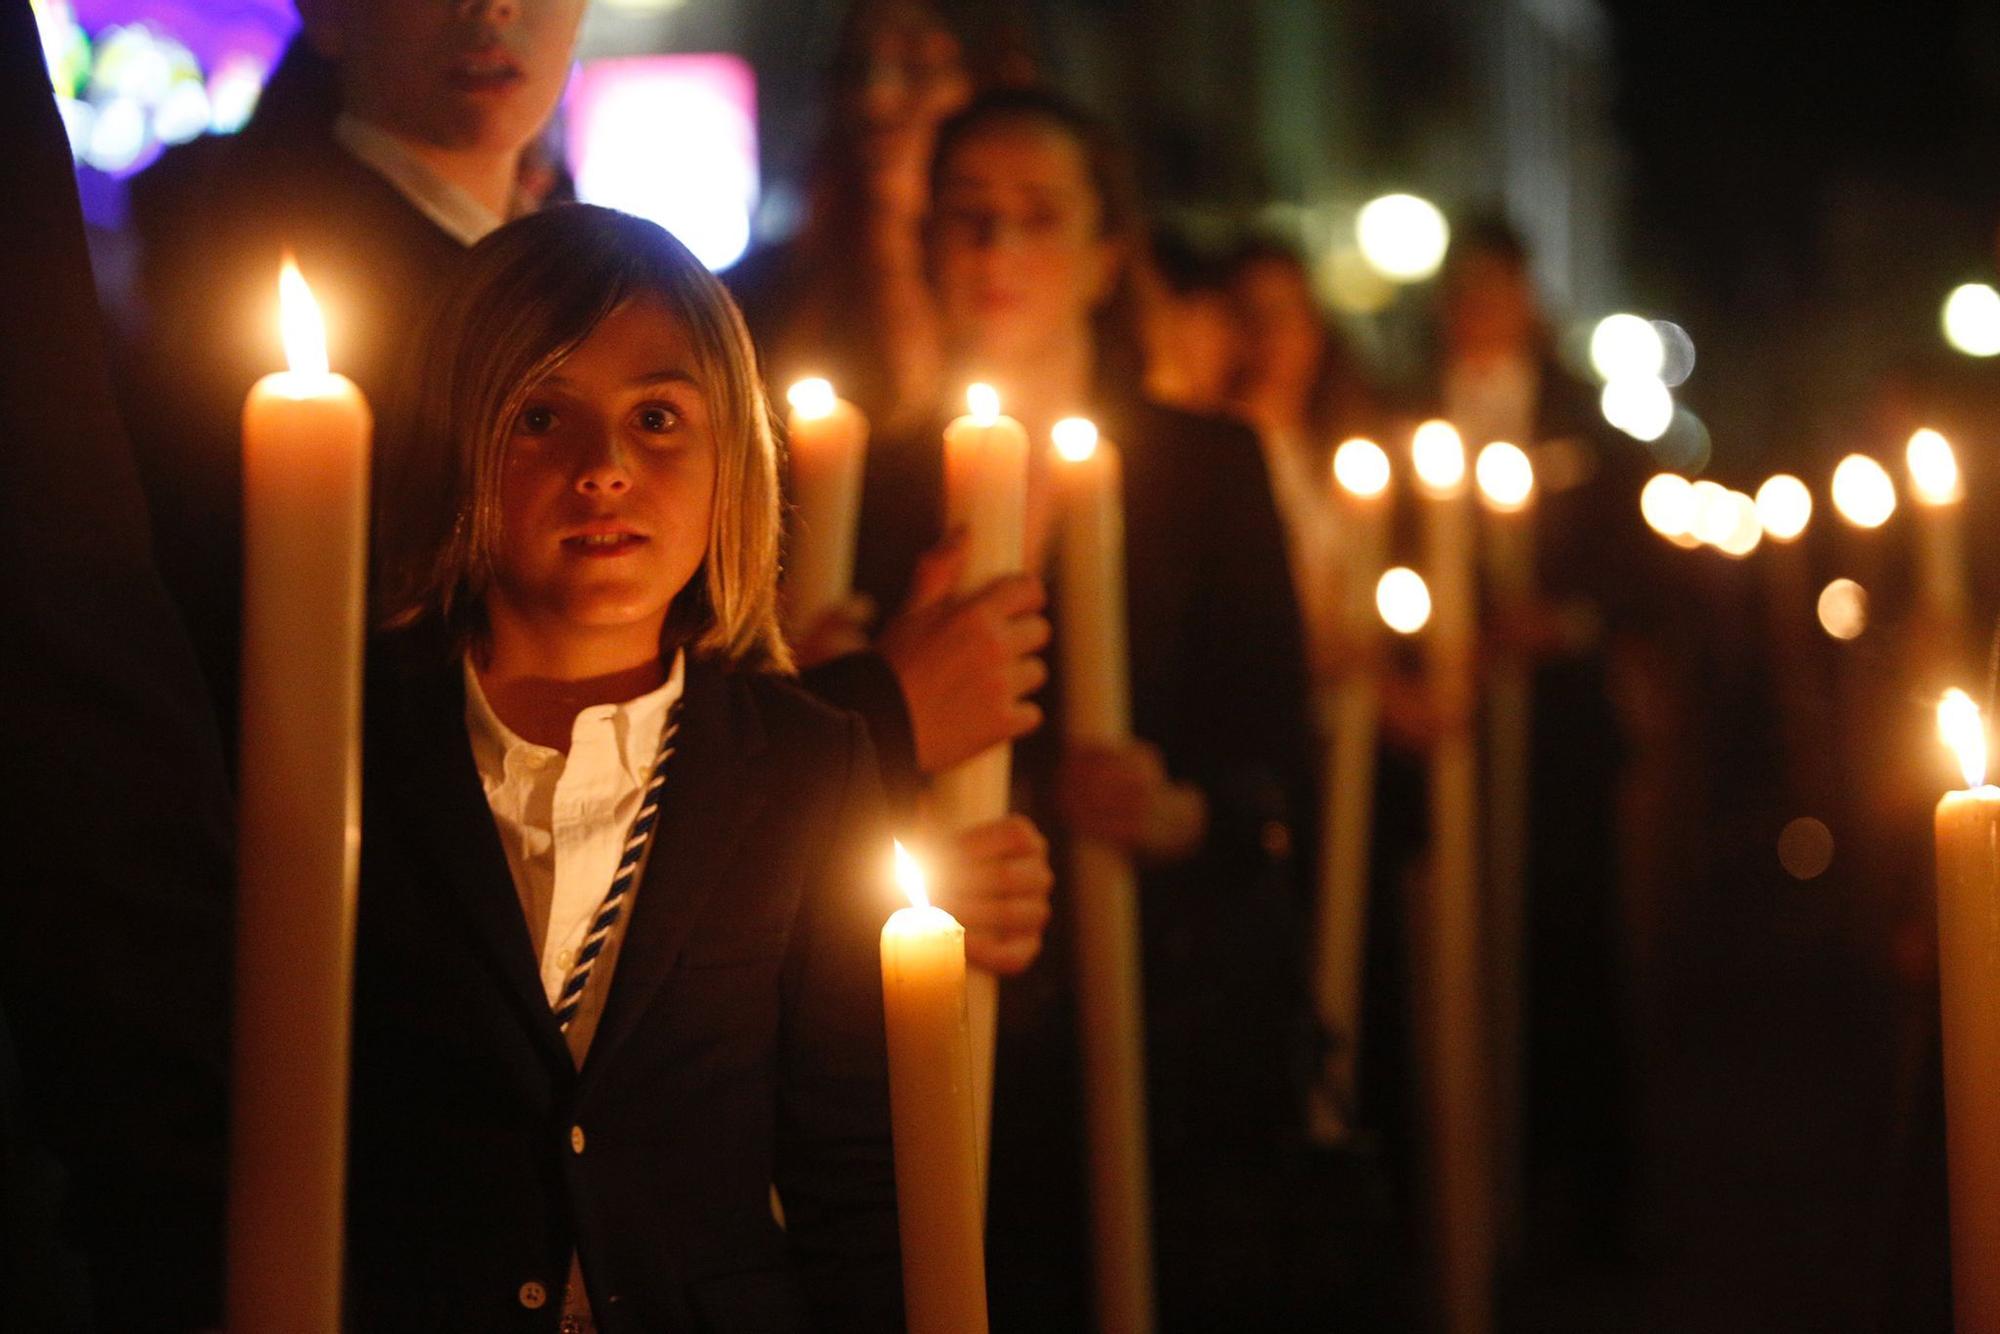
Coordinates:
[1968,879]
[986,503]
[306,440]
[827,447]
[940,1187]
[1097,710]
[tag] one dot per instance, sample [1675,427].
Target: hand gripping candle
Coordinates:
[306,438]
[986,502]
[827,446]
[940,1189]
[1968,880]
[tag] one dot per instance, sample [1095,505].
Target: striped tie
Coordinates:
[570,998]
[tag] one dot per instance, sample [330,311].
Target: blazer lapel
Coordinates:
[710,799]
[438,787]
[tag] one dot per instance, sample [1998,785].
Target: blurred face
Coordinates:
[1489,306]
[1018,254]
[608,483]
[459,75]
[1283,339]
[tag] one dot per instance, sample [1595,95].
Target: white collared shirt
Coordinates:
[452,209]
[563,821]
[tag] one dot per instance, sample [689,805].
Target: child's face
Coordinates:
[607,484]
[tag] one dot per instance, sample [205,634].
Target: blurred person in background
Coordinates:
[1034,232]
[389,142]
[1498,378]
[1193,342]
[1298,384]
[846,298]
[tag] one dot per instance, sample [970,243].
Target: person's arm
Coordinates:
[835,1170]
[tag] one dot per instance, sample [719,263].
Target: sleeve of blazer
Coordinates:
[864,683]
[114,907]
[835,1173]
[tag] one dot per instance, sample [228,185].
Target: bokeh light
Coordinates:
[1934,478]
[1640,406]
[1805,848]
[1784,507]
[1843,609]
[1075,438]
[1862,491]
[1667,504]
[1361,467]
[1438,454]
[811,398]
[1714,512]
[1626,347]
[1744,531]
[1402,237]
[1677,348]
[1403,599]
[1972,320]
[1505,475]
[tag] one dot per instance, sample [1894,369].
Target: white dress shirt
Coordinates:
[452,209]
[563,821]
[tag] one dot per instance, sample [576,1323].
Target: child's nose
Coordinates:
[605,471]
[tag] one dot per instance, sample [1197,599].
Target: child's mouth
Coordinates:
[603,544]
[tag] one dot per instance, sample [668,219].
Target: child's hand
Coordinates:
[967,664]
[1122,795]
[995,879]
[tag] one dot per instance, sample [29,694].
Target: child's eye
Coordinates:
[657,418]
[536,421]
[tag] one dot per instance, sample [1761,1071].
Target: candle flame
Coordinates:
[910,877]
[1403,599]
[812,398]
[1361,467]
[1439,456]
[300,322]
[1506,475]
[1862,491]
[1962,729]
[1784,507]
[1075,439]
[982,403]
[1933,468]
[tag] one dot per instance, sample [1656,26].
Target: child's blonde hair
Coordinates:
[526,298]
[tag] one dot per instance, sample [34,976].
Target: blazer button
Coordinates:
[576,1139]
[533,1295]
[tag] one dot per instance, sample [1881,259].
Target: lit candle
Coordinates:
[1968,879]
[939,1184]
[827,445]
[1449,937]
[1097,710]
[1361,478]
[1506,479]
[1940,494]
[986,500]
[305,508]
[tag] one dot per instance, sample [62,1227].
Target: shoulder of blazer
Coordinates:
[795,723]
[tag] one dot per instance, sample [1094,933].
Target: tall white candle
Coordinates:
[1939,492]
[1449,936]
[939,1184]
[1361,477]
[1968,881]
[986,499]
[306,438]
[827,445]
[1506,478]
[1096,676]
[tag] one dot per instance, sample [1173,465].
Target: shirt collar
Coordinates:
[501,753]
[452,209]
